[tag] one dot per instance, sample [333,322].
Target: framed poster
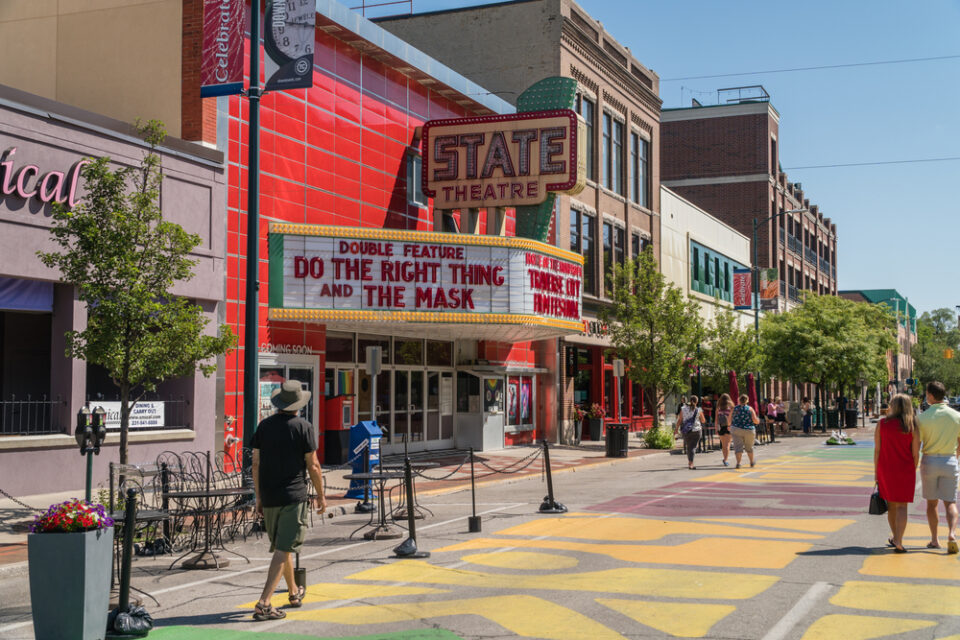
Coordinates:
[526,399]
[513,400]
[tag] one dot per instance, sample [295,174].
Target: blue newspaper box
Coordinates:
[364,435]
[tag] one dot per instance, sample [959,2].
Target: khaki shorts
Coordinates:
[286,526]
[742,439]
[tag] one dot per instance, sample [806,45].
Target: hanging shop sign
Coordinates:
[502,161]
[221,70]
[741,289]
[288,37]
[356,275]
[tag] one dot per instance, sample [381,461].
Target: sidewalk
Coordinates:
[452,475]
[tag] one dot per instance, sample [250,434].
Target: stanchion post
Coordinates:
[474,520]
[366,506]
[408,548]
[549,505]
[129,522]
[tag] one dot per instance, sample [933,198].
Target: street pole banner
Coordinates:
[769,289]
[288,36]
[741,289]
[221,69]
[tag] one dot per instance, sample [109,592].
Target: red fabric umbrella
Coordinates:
[752,393]
[734,387]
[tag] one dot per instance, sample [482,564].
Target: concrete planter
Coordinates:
[595,426]
[70,584]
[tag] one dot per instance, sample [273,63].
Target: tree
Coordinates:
[653,327]
[728,347]
[124,259]
[828,340]
[938,336]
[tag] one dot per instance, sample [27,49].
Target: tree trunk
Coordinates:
[124,421]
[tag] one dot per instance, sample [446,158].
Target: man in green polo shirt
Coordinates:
[939,431]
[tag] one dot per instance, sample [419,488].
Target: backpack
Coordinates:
[691,423]
[723,418]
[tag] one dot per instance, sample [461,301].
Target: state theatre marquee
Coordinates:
[423,283]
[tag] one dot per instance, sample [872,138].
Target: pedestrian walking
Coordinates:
[743,428]
[781,415]
[723,420]
[807,410]
[939,428]
[689,421]
[896,454]
[284,453]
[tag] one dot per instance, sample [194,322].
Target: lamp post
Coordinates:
[756,268]
[90,433]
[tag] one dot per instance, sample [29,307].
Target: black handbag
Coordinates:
[878,506]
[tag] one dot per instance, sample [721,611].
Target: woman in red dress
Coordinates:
[896,455]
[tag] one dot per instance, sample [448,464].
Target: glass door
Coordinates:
[383,401]
[277,369]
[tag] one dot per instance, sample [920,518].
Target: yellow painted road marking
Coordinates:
[617,529]
[667,583]
[835,626]
[907,598]
[331,591]
[521,560]
[677,619]
[714,552]
[926,564]
[522,615]
[813,525]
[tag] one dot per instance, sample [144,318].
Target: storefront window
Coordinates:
[584,356]
[439,354]
[339,347]
[373,341]
[408,351]
[637,400]
[624,398]
[608,392]
[581,388]
[468,393]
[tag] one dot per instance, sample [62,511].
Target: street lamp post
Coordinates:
[756,268]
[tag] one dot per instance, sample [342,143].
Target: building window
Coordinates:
[638,170]
[773,157]
[583,236]
[587,109]
[696,265]
[607,151]
[617,157]
[415,196]
[726,277]
[716,271]
[613,252]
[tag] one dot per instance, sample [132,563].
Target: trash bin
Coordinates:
[850,419]
[833,418]
[617,440]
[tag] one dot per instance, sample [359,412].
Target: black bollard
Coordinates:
[365,506]
[129,522]
[408,548]
[549,505]
[474,520]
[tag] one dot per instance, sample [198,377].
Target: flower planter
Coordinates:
[595,426]
[70,584]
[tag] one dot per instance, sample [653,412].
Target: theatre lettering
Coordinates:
[496,161]
[413,271]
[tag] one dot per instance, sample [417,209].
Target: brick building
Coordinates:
[726,160]
[617,215]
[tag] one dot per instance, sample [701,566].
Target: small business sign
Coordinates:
[221,69]
[144,415]
[288,38]
[741,289]
[502,161]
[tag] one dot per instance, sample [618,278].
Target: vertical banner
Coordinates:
[288,36]
[221,70]
[741,288]
[769,289]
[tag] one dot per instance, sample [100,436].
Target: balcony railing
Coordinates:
[833,271]
[824,266]
[31,417]
[810,255]
[793,243]
[783,289]
[783,235]
[793,293]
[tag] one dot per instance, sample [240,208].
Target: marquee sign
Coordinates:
[352,276]
[502,161]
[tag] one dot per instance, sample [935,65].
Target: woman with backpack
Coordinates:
[689,419]
[743,426]
[724,417]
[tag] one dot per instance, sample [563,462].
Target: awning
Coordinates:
[495,370]
[25,295]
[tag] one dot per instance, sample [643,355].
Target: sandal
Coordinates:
[899,550]
[296,599]
[263,612]
[890,543]
[931,545]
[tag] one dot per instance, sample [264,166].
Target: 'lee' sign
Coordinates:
[501,161]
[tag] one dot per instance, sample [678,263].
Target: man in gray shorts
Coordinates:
[939,432]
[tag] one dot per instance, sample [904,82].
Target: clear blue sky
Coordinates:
[898,225]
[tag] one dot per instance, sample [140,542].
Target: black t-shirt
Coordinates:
[283,440]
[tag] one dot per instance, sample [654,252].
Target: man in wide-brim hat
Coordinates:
[284,453]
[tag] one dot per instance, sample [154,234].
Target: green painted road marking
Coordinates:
[200,633]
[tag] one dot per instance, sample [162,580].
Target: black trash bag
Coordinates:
[135,621]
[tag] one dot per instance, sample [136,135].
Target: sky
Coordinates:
[897,224]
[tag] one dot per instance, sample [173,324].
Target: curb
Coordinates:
[13,570]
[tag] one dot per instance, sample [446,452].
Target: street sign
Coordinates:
[618,368]
[374,360]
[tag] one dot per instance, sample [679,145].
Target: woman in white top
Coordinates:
[689,419]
